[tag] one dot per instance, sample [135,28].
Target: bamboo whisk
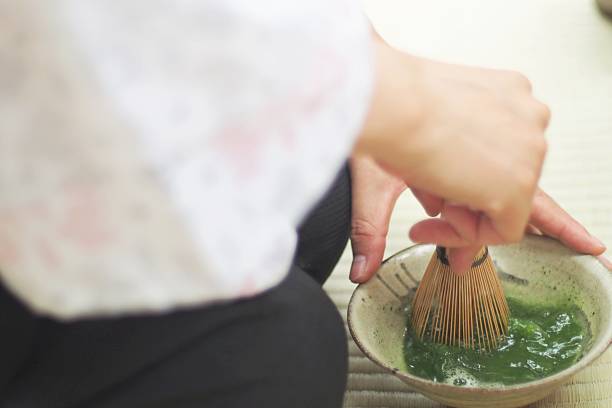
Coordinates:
[468,310]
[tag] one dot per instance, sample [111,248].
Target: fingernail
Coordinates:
[606,262]
[358,268]
[598,242]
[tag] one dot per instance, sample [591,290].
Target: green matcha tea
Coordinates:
[542,340]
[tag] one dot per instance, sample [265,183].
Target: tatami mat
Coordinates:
[565,47]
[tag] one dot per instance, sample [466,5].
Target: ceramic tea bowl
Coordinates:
[536,268]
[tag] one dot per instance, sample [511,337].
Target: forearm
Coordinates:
[395,107]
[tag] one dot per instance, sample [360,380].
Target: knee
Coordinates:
[312,343]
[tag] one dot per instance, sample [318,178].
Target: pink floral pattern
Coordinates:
[164,152]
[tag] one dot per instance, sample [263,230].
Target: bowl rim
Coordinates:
[596,351]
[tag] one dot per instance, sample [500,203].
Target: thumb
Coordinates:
[373,198]
[368,243]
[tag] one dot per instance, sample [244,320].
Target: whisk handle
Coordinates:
[441,254]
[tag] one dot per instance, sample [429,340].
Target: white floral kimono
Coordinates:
[160,153]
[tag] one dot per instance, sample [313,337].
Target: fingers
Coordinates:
[368,245]
[475,227]
[431,203]
[461,259]
[542,113]
[464,231]
[461,226]
[458,227]
[479,140]
[532,230]
[374,195]
[552,220]
[605,262]
[463,220]
[437,231]
[460,246]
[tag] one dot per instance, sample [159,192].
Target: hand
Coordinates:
[457,230]
[471,136]
[376,191]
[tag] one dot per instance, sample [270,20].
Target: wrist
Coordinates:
[396,106]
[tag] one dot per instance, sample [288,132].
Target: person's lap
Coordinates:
[285,347]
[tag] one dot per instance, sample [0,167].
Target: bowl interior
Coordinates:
[535,270]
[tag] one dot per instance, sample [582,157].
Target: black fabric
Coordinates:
[284,348]
[17,333]
[325,232]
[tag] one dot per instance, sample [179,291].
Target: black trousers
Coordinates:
[284,348]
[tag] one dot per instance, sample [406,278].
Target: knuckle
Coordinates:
[363,228]
[526,180]
[541,114]
[545,113]
[495,207]
[520,79]
[496,210]
[541,147]
[538,145]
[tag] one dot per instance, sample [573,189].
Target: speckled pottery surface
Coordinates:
[536,269]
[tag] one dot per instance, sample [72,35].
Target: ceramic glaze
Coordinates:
[534,269]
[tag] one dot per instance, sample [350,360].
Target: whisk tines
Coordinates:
[468,310]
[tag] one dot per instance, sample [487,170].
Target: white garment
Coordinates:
[158,153]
